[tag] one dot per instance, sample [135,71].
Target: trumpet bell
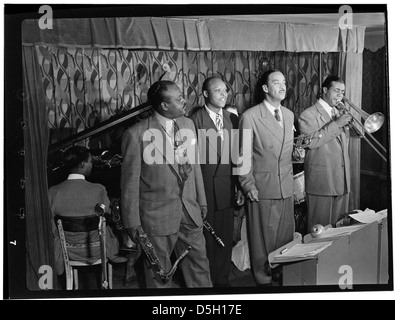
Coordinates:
[374,122]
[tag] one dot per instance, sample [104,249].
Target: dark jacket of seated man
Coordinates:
[76,198]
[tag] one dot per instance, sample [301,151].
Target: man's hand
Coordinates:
[203,211]
[240,198]
[253,195]
[343,120]
[133,232]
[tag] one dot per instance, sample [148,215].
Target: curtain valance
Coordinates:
[194,35]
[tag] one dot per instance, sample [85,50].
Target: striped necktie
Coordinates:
[218,124]
[185,168]
[278,117]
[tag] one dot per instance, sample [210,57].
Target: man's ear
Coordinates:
[163,106]
[324,90]
[205,93]
[265,88]
[82,164]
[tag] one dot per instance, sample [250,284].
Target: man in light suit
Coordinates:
[161,194]
[214,125]
[327,162]
[269,183]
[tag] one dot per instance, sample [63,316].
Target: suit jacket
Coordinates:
[152,194]
[271,171]
[219,182]
[327,162]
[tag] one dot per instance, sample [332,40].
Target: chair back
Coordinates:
[79,224]
[82,224]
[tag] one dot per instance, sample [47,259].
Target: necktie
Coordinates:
[184,167]
[333,113]
[278,117]
[177,136]
[218,124]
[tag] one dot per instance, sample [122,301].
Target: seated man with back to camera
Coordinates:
[76,198]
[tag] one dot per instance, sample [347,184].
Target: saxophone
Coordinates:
[146,245]
[149,251]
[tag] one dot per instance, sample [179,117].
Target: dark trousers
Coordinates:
[220,258]
[270,225]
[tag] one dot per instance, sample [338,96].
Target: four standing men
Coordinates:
[167,200]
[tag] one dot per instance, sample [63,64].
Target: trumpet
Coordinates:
[371,124]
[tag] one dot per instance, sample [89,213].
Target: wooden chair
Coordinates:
[84,224]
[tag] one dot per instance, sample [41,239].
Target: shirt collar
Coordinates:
[326,106]
[76,176]
[166,123]
[213,114]
[272,108]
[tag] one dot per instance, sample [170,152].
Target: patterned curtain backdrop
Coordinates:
[304,73]
[86,86]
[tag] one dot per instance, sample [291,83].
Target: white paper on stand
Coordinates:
[369,216]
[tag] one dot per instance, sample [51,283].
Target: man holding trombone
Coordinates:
[327,161]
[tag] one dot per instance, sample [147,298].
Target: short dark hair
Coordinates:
[75,155]
[206,82]
[155,94]
[265,76]
[259,94]
[328,81]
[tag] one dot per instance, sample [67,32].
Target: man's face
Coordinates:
[216,94]
[175,104]
[276,86]
[334,94]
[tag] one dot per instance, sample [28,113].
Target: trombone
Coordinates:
[372,123]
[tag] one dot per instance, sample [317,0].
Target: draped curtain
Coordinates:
[39,241]
[76,79]
[351,69]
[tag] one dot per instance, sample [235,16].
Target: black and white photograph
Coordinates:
[194,150]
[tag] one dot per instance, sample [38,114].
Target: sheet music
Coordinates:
[369,216]
[301,251]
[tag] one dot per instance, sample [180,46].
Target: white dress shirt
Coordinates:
[328,108]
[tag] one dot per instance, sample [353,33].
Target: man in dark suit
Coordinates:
[268,184]
[327,162]
[214,126]
[162,191]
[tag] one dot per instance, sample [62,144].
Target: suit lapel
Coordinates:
[323,114]
[270,123]
[326,119]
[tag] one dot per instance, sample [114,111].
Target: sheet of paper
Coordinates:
[301,251]
[369,216]
[342,231]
